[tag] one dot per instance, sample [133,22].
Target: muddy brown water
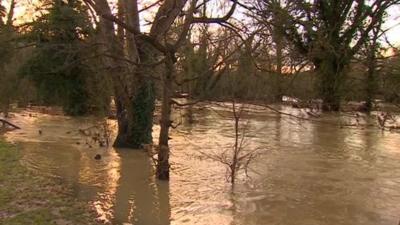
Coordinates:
[310,173]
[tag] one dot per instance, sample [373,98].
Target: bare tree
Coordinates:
[146,55]
[238,157]
[372,51]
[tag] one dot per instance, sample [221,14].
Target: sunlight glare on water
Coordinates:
[309,173]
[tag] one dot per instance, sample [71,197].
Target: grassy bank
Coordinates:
[28,198]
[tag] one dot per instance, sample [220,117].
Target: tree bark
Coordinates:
[278,38]
[371,82]
[279,66]
[236,147]
[372,64]
[165,123]
[331,77]
[133,90]
[135,120]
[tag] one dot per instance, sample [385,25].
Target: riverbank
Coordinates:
[28,198]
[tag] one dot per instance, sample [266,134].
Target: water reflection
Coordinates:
[310,173]
[107,175]
[139,198]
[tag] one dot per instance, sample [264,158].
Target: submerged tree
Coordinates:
[329,33]
[139,59]
[237,156]
[372,53]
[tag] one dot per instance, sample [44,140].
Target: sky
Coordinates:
[393,22]
[26,8]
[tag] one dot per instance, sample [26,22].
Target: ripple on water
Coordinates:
[309,173]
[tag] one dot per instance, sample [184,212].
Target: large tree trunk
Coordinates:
[135,119]
[371,84]
[278,39]
[134,91]
[143,102]
[331,76]
[165,123]
[279,66]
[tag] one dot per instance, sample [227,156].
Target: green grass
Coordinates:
[28,198]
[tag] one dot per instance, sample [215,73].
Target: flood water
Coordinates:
[309,173]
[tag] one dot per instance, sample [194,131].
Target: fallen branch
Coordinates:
[5,122]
